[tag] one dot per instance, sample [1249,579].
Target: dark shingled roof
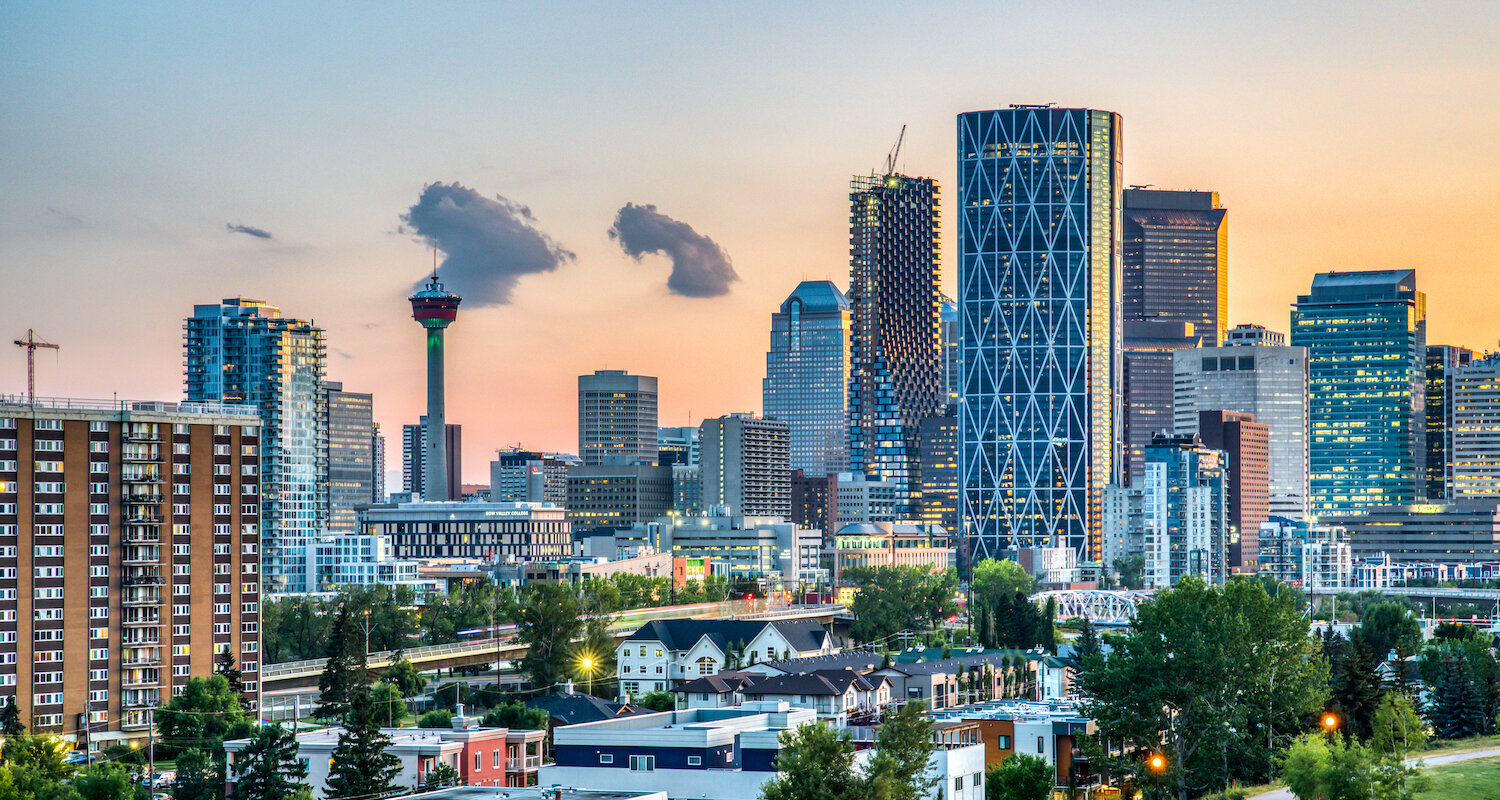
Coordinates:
[682,634]
[949,665]
[855,659]
[728,681]
[571,709]
[823,683]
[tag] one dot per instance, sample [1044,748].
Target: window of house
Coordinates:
[643,763]
[1040,744]
[478,762]
[606,758]
[695,761]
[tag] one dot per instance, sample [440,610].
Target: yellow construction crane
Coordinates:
[31,344]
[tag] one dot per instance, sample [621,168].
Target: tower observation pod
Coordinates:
[435,308]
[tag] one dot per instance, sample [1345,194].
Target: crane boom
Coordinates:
[890,160]
[31,344]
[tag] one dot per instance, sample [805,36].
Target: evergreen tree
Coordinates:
[1455,708]
[268,768]
[898,770]
[196,777]
[10,719]
[224,665]
[1088,642]
[344,674]
[1356,688]
[1026,627]
[1404,679]
[361,767]
[1046,636]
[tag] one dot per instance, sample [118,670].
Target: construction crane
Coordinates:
[890,159]
[31,344]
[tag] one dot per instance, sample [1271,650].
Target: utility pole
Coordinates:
[151,751]
[31,344]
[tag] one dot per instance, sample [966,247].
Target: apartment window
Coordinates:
[181,671]
[181,569]
[98,591]
[249,509]
[181,610]
[958,784]
[99,571]
[8,615]
[99,550]
[7,680]
[49,572]
[247,450]
[606,758]
[52,508]
[643,763]
[220,628]
[478,762]
[47,698]
[99,488]
[221,608]
[221,549]
[182,469]
[99,612]
[221,488]
[181,588]
[221,509]
[102,509]
[98,447]
[248,648]
[182,449]
[48,550]
[54,466]
[49,613]
[181,550]
[181,488]
[9,423]
[221,449]
[249,627]
[221,469]
[1003,742]
[98,633]
[100,675]
[99,529]
[695,761]
[180,650]
[497,759]
[100,654]
[49,445]
[97,467]
[1041,744]
[47,656]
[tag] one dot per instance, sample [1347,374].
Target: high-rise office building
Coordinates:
[814,502]
[245,352]
[1365,334]
[745,466]
[896,352]
[349,467]
[1176,259]
[1256,374]
[414,465]
[616,418]
[948,313]
[1246,445]
[130,556]
[1149,346]
[523,476]
[377,456]
[1039,315]
[939,452]
[1443,363]
[1476,430]
[807,376]
[615,496]
[677,446]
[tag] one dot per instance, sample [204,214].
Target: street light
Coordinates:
[1330,722]
[1157,763]
[587,664]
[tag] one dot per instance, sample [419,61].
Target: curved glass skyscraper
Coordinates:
[807,376]
[1039,316]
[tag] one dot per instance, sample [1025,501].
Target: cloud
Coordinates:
[488,244]
[259,233]
[700,267]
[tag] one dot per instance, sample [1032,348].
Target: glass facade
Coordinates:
[244,352]
[1039,319]
[616,418]
[1146,358]
[350,464]
[807,376]
[1476,430]
[1443,363]
[896,352]
[1365,334]
[1176,260]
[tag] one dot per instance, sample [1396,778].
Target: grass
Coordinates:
[1465,780]
[1460,746]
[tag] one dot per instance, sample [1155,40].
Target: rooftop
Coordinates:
[817,296]
[126,407]
[531,793]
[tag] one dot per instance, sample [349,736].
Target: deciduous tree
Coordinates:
[549,617]
[1020,777]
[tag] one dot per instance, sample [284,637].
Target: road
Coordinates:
[1286,794]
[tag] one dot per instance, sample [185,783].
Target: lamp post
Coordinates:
[1330,723]
[588,665]
[1157,763]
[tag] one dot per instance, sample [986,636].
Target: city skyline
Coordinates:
[133,157]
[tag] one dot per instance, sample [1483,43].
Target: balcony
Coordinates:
[141,699]
[140,476]
[139,518]
[142,637]
[139,597]
[142,661]
[152,619]
[141,456]
[142,436]
[141,580]
[142,537]
[520,764]
[140,681]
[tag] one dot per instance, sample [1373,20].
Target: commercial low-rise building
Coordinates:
[1048,730]
[1315,557]
[768,549]
[1461,532]
[891,544]
[490,531]
[359,560]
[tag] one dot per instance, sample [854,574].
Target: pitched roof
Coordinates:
[950,665]
[570,709]
[728,681]
[682,634]
[859,660]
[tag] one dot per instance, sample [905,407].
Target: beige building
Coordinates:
[885,544]
[129,557]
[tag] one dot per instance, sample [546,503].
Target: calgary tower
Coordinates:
[436,308]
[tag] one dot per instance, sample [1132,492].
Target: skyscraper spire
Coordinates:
[435,308]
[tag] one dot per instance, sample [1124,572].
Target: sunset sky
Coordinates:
[1358,136]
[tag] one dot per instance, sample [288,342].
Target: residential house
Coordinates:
[838,695]
[665,653]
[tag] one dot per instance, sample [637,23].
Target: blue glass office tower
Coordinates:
[1039,316]
[896,357]
[807,376]
[1366,340]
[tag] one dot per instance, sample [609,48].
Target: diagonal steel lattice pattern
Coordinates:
[1039,277]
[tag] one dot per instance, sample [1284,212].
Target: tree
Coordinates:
[404,676]
[105,781]
[548,620]
[1088,645]
[360,767]
[992,579]
[816,762]
[441,776]
[517,716]
[892,599]
[1214,677]
[196,779]
[268,768]
[1397,729]
[1455,707]
[1356,688]
[224,665]
[436,718]
[1132,570]
[389,703]
[207,712]
[10,719]
[1384,626]
[1020,777]
[658,701]
[898,770]
[345,674]
[596,658]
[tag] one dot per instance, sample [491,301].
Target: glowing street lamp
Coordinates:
[1330,722]
[1157,763]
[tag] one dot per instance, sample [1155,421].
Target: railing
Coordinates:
[85,404]
[528,762]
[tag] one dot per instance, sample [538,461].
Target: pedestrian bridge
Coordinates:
[1101,606]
